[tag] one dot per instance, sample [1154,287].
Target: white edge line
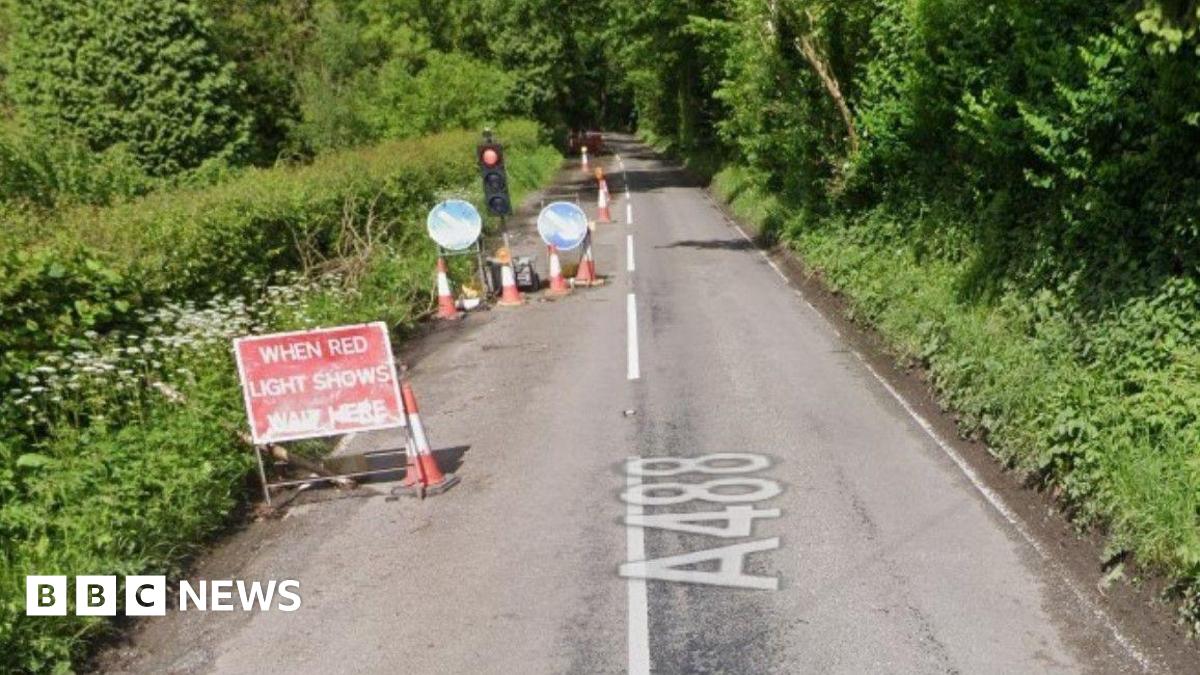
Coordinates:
[998,503]
[633,371]
[992,498]
[639,609]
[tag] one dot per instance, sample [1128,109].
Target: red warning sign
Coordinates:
[322,382]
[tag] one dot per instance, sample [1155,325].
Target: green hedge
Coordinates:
[100,472]
[90,267]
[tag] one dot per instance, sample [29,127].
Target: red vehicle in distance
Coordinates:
[594,140]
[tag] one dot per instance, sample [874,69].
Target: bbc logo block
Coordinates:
[146,595]
[95,595]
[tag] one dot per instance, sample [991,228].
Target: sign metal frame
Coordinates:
[277,449]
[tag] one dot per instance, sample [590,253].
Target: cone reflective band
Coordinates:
[602,211]
[509,295]
[446,306]
[586,275]
[558,284]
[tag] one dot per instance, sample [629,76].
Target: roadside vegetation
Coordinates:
[272,171]
[1007,190]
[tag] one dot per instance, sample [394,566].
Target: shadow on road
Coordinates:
[712,244]
[659,179]
[391,463]
[449,459]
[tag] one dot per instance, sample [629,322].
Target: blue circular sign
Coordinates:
[562,225]
[454,224]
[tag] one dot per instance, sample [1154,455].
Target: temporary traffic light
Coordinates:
[495,178]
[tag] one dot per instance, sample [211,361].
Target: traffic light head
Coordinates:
[495,178]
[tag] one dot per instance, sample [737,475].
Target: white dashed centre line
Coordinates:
[629,253]
[633,370]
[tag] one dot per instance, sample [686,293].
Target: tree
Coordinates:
[143,73]
[266,40]
[1171,22]
[451,91]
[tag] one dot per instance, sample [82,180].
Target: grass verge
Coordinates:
[1101,407]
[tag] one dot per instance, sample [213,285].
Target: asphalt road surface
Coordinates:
[841,535]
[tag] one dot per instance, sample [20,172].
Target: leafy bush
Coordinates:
[191,243]
[450,91]
[139,73]
[40,172]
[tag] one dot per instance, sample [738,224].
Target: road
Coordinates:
[853,540]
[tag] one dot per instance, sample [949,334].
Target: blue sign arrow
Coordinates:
[454,224]
[562,225]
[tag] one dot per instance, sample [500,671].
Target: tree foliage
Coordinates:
[142,73]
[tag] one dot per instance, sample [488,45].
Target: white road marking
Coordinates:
[633,370]
[997,503]
[639,609]
[628,210]
[629,252]
[764,255]
[989,495]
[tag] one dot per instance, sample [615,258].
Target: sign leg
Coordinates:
[262,474]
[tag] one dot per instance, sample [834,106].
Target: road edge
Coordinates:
[1139,622]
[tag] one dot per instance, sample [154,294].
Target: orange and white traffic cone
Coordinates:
[422,475]
[558,283]
[447,309]
[602,212]
[509,295]
[586,274]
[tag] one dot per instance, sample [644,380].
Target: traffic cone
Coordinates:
[422,475]
[447,309]
[412,469]
[509,295]
[602,213]
[586,275]
[558,284]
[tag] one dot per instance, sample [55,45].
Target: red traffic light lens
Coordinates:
[490,157]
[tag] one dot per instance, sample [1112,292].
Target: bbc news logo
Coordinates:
[147,595]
